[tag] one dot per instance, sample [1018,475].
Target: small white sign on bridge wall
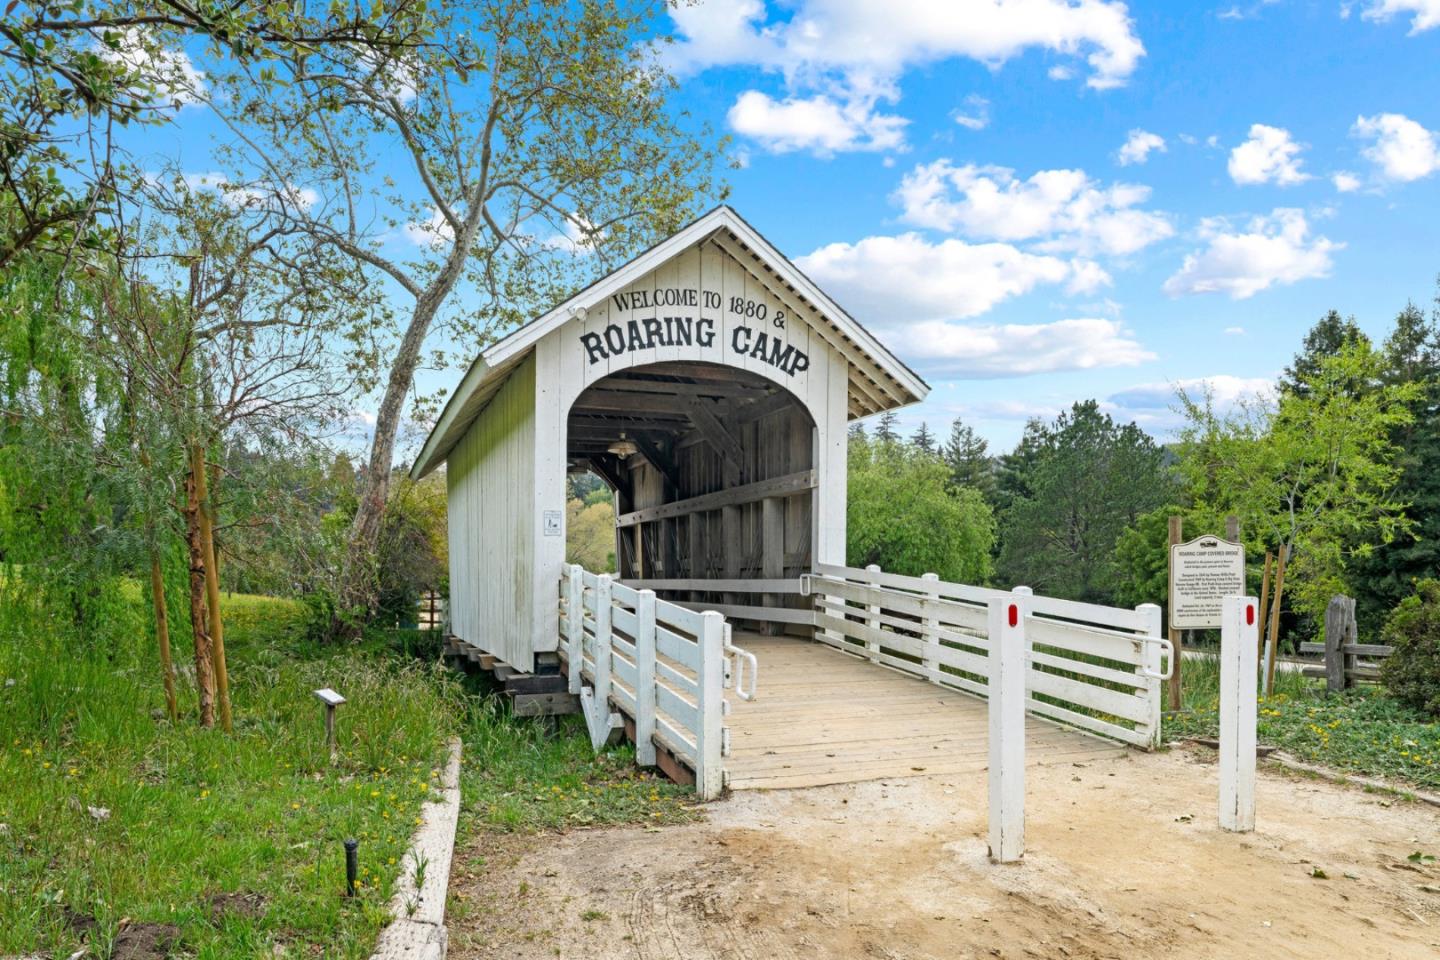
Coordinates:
[1203,572]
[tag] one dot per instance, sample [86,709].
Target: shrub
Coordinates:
[1412,672]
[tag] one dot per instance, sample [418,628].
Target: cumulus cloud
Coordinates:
[1345,182]
[841,50]
[1063,210]
[1402,149]
[975,114]
[171,69]
[1138,146]
[1269,156]
[249,195]
[907,278]
[820,123]
[434,232]
[1269,250]
[1424,14]
[1153,404]
[1015,349]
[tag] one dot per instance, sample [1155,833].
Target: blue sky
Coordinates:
[956,179]
[1035,202]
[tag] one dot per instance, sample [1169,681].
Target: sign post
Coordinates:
[1203,572]
[1176,535]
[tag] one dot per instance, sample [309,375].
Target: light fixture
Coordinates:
[622,448]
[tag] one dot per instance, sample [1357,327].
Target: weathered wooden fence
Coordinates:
[662,665]
[1088,666]
[1346,659]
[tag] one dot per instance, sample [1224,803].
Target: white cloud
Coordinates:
[819,123]
[1400,147]
[1269,156]
[839,58]
[1234,331]
[887,280]
[1015,349]
[1275,249]
[577,236]
[882,40]
[434,232]
[1063,209]
[1345,182]
[975,115]
[1138,146]
[1425,13]
[248,196]
[175,77]
[1153,404]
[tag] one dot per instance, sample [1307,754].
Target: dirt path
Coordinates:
[1124,860]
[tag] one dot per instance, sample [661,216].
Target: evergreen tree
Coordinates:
[923,439]
[1386,575]
[970,465]
[885,428]
[1331,333]
[1076,485]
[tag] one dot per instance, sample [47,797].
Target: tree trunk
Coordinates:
[162,633]
[212,586]
[199,609]
[356,596]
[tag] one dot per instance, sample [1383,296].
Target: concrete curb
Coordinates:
[418,930]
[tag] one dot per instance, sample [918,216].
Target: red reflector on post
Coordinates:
[1249,615]
[1014,615]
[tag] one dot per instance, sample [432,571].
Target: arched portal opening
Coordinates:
[713,473]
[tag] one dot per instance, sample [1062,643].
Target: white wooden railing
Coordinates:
[664,666]
[1088,666]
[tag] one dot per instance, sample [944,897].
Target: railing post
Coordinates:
[1006,691]
[873,621]
[575,607]
[709,738]
[645,679]
[930,636]
[1239,644]
[1150,663]
[602,641]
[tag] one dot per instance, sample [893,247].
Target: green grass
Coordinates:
[526,775]
[195,813]
[1362,731]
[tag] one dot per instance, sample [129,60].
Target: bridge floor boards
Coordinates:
[822,716]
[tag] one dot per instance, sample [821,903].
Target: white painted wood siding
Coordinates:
[493,523]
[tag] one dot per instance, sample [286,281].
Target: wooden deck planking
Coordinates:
[822,717]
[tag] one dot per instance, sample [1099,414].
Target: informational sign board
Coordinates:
[1203,572]
[552,523]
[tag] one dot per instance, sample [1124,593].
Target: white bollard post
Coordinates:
[1006,691]
[645,679]
[1239,642]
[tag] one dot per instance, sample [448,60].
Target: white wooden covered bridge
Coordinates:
[710,384]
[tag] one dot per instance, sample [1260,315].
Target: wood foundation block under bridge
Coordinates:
[822,716]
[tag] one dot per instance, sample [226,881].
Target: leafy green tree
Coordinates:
[1084,479]
[1314,472]
[527,147]
[1015,471]
[904,515]
[965,454]
[1387,574]
[923,439]
[885,428]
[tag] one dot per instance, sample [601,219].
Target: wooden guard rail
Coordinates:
[1088,666]
[1343,663]
[660,664]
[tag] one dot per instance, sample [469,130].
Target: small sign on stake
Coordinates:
[1203,572]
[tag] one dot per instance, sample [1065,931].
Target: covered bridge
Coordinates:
[711,384]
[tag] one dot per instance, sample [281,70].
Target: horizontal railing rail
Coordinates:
[1089,666]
